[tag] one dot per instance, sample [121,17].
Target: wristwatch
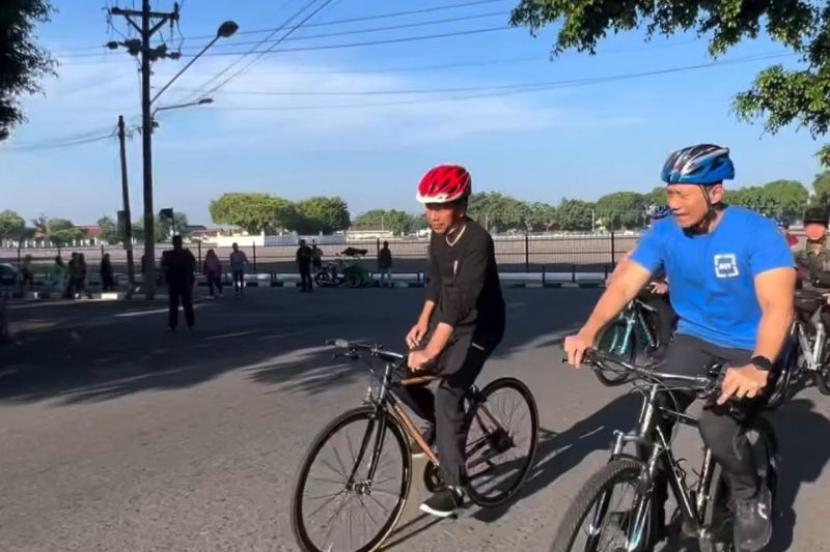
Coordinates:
[761,363]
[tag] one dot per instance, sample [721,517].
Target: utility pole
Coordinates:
[150,23]
[128,222]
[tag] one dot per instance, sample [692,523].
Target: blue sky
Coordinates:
[577,142]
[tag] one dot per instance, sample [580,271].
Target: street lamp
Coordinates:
[226,30]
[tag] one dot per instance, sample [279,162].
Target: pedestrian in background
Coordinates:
[212,270]
[179,265]
[385,265]
[107,278]
[58,275]
[82,274]
[304,258]
[238,262]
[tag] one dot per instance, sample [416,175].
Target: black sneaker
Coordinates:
[753,521]
[428,434]
[443,504]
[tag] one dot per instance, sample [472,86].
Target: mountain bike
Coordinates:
[632,337]
[600,520]
[353,483]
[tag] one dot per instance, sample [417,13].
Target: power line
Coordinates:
[262,54]
[524,88]
[233,64]
[372,42]
[332,22]
[378,29]
[57,145]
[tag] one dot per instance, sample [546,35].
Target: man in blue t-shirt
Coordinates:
[731,281]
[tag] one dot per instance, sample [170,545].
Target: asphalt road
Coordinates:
[119,435]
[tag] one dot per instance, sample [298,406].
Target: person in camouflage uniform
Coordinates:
[813,260]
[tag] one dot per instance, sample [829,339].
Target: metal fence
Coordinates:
[514,253]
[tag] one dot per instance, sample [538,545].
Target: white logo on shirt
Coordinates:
[726,265]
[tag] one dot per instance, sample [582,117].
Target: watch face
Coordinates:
[762,363]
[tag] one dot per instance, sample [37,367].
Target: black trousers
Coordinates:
[183,294]
[306,283]
[460,365]
[723,429]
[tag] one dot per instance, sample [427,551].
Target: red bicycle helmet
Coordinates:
[445,184]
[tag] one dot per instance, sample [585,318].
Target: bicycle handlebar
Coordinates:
[704,385]
[354,349]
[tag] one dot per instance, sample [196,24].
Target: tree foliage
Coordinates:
[321,214]
[12,226]
[778,96]
[258,212]
[621,210]
[253,212]
[398,222]
[22,63]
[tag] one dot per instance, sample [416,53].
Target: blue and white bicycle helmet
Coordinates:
[703,164]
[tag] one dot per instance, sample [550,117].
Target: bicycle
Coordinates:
[704,509]
[806,354]
[630,337]
[357,475]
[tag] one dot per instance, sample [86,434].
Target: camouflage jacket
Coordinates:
[814,268]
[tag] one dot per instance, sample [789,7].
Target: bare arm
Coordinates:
[426,312]
[774,289]
[628,280]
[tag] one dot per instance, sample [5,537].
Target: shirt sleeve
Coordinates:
[650,252]
[461,297]
[769,250]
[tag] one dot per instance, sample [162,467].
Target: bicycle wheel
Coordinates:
[600,519]
[334,506]
[617,340]
[501,441]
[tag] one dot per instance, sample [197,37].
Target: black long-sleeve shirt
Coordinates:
[463,281]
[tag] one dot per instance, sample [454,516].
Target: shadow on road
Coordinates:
[81,352]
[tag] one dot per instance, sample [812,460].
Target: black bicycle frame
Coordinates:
[654,446]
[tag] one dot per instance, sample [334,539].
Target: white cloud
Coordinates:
[88,96]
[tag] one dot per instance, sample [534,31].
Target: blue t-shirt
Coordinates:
[711,276]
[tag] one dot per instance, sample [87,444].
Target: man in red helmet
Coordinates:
[464,317]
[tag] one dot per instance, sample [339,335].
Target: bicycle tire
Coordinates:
[394,429]
[479,498]
[618,470]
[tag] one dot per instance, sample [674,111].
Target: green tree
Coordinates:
[499,213]
[788,197]
[253,212]
[778,96]
[12,226]
[621,210]
[821,188]
[109,230]
[22,63]
[398,222]
[62,231]
[321,214]
[575,214]
[656,196]
[541,216]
